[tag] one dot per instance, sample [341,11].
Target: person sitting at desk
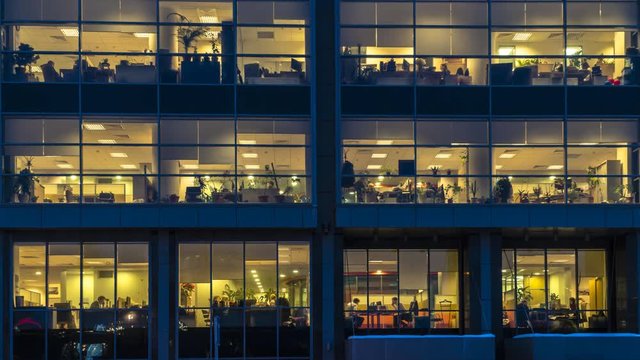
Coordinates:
[100,303]
[352,307]
[395,305]
[50,73]
[391,65]
[403,318]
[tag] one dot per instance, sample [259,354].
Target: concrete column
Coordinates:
[164,305]
[6,294]
[627,292]
[482,263]
[479,165]
[169,185]
[168,40]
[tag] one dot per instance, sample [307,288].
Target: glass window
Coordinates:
[57,292]
[554,290]
[259,291]
[404,289]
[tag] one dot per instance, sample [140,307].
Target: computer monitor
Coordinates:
[296,65]
[252,70]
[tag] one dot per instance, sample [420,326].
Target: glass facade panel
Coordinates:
[260,299]
[554,290]
[66,295]
[404,289]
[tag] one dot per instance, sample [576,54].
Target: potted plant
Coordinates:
[537,193]
[186,293]
[625,193]
[554,301]
[232,295]
[453,190]
[24,183]
[523,196]
[188,32]
[503,191]
[22,59]
[473,188]
[434,170]
[524,294]
[592,181]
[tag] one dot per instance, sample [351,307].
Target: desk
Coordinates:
[273,80]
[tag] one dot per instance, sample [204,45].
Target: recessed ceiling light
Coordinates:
[555,167]
[374,167]
[106,141]
[521,36]
[70,32]
[443,155]
[250,155]
[118,155]
[252,167]
[253,271]
[94,126]
[246,142]
[143,35]
[498,167]
[190,166]
[295,271]
[209,19]
[255,275]
[378,156]
[64,166]
[509,154]
[38,273]
[283,275]
[384,142]
[128,166]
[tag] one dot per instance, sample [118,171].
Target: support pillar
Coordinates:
[482,260]
[163,341]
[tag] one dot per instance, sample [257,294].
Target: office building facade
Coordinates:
[269,179]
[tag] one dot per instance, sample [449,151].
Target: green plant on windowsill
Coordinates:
[503,190]
[527,62]
[24,185]
[232,295]
[23,59]
[473,188]
[452,191]
[625,192]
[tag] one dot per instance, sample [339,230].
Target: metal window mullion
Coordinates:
[398,313]
[565,103]
[244,303]
[490,105]
[46,301]
[366,259]
[278,307]
[415,116]
[158,123]
[211,322]
[431,312]
[234,57]
[577,281]
[114,307]
[80,308]
[546,289]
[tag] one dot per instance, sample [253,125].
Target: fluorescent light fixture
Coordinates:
[70,32]
[246,142]
[190,166]
[283,275]
[94,127]
[73,177]
[374,167]
[380,178]
[209,19]
[384,142]
[378,272]
[118,177]
[250,177]
[118,155]
[378,156]
[38,273]
[295,271]
[143,35]
[506,50]
[574,50]
[129,166]
[509,154]
[555,167]
[498,167]
[252,167]
[64,166]
[106,141]
[255,275]
[253,271]
[552,177]
[443,155]
[250,155]
[521,36]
